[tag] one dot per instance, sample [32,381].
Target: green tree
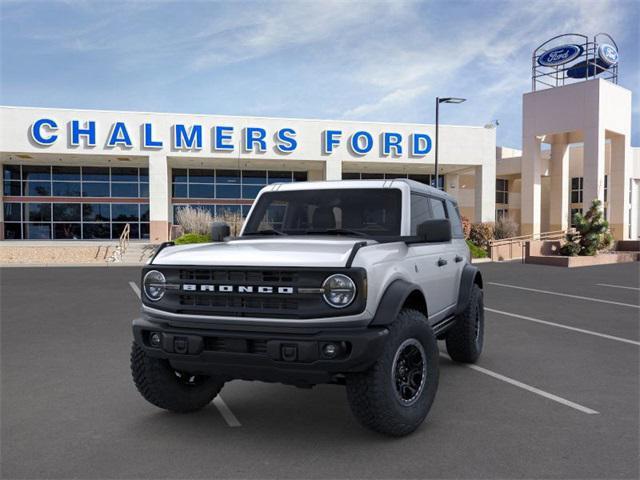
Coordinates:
[591,235]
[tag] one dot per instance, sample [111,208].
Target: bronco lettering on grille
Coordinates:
[193,287]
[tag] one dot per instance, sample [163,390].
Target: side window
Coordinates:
[437,207]
[454,216]
[419,211]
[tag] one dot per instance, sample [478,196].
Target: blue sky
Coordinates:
[350,60]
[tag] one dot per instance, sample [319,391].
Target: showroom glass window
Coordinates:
[502,190]
[207,189]
[502,213]
[576,189]
[77,201]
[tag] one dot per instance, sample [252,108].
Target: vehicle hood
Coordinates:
[281,252]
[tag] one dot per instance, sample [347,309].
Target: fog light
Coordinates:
[155,339]
[330,350]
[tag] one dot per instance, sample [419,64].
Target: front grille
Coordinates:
[262,277]
[235,303]
[237,345]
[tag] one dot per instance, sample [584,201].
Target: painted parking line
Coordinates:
[617,286]
[566,327]
[135,288]
[590,299]
[529,388]
[222,407]
[226,412]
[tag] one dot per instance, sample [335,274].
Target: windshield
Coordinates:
[364,212]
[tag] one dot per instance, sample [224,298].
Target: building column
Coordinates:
[333,169]
[1,210]
[593,167]
[618,188]
[559,196]
[159,198]
[485,192]
[531,186]
[315,175]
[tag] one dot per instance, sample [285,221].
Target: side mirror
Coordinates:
[434,231]
[219,231]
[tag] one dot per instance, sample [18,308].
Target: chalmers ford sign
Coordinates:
[45,132]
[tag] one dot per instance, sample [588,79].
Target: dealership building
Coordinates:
[85,174]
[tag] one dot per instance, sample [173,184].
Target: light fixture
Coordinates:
[154,285]
[155,339]
[440,100]
[339,290]
[330,350]
[451,100]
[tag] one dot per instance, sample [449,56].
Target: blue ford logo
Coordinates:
[608,54]
[560,55]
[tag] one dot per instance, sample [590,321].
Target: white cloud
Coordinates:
[399,97]
[361,60]
[283,26]
[488,56]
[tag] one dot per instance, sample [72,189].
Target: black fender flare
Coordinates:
[392,301]
[470,275]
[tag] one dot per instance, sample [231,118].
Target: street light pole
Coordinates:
[437,142]
[438,102]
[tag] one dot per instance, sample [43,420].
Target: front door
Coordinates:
[434,263]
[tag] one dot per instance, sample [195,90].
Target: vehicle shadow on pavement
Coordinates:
[267,411]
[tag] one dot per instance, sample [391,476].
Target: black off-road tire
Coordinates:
[373,395]
[165,388]
[465,338]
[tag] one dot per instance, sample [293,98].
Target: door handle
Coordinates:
[442,262]
[459,258]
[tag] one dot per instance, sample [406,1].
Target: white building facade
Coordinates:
[85,174]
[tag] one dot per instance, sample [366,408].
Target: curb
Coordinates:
[481,260]
[68,265]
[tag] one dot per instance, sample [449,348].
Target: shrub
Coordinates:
[505,227]
[571,248]
[192,238]
[194,220]
[466,227]
[591,233]
[481,234]
[476,251]
[233,219]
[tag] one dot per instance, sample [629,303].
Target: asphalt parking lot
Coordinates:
[555,394]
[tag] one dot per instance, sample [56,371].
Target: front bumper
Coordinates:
[275,355]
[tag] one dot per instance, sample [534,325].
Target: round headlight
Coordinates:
[339,290]
[154,285]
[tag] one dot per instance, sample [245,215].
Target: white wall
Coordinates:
[458,145]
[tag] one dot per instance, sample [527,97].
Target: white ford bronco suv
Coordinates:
[346,282]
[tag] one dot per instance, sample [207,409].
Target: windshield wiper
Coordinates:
[267,231]
[336,231]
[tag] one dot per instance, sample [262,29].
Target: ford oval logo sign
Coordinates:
[608,54]
[560,55]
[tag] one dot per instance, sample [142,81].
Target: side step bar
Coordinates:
[443,325]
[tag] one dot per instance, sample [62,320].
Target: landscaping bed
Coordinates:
[583,261]
[49,254]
